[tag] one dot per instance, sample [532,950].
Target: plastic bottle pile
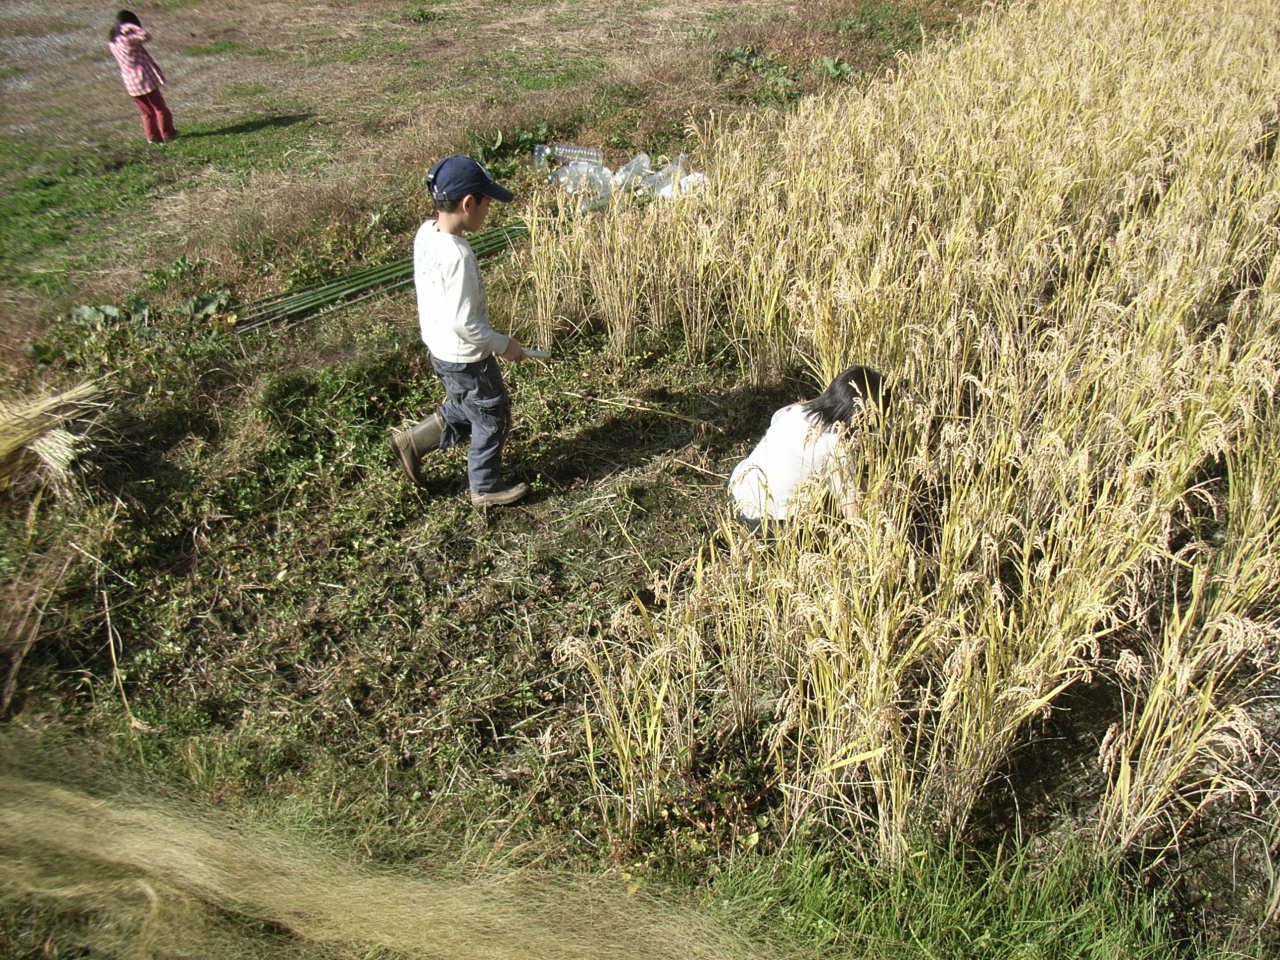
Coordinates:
[582,173]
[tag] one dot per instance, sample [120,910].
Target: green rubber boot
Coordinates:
[411,444]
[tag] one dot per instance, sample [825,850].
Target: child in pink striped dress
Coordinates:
[142,77]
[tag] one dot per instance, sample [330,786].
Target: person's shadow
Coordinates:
[250,126]
[632,431]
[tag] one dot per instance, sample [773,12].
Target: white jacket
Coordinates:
[794,453]
[452,311]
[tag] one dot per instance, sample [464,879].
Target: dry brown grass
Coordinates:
[408,93]
[148,879]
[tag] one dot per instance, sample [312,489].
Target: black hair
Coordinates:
[444,205]
[846,395]
[123,17]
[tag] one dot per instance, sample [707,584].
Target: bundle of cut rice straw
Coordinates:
[42,437]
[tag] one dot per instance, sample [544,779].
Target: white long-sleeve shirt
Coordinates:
[771,482]
[452,311]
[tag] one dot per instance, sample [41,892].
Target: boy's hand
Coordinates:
[514,352]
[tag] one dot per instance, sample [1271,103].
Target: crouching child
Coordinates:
[807,443]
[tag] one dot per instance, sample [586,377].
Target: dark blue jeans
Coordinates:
[476,408]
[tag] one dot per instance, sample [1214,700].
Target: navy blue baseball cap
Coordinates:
[456,176]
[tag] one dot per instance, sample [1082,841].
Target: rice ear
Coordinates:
[41,438]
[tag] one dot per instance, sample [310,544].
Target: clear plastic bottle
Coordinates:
[591,183]
[570,151]
[579,176]
[631,172]
[544,154]
[662,183]
[691,182]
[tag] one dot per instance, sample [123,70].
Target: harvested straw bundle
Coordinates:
[42,437]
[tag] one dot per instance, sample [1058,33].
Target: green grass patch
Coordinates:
[879,22]
[365,50]
[66,200]
[567,17]
[730,18]
[54,27]
[52,195]
[246,89]
[1009,905]
[423,14]
[545,69]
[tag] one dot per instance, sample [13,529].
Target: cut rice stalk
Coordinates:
[34,434]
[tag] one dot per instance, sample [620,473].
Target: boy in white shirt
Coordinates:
[455,328]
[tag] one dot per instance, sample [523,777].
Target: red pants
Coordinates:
[157,121]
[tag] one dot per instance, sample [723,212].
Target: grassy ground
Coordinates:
[270,892]
[229,534]
[243,598]
[100,849]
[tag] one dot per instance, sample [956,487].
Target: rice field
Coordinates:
[1057,236]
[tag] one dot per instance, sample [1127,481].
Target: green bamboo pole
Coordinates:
[341,292]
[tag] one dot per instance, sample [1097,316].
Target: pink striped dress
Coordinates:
[139,72]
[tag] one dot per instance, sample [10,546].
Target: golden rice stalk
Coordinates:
[34,434]
[1056,236]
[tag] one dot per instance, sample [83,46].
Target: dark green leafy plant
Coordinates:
[502,152]
[776,79]
[835,68]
